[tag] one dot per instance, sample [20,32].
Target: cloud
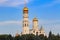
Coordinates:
[13,2]
[3,23]
[41,22]
[44,22]
[53,25]
[10,23]
[2,1]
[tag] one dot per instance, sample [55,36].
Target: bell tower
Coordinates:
[35,24]
[25,20]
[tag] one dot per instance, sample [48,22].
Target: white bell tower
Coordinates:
[25,20]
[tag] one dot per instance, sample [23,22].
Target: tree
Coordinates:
[50,36]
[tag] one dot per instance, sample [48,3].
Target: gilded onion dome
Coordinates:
[35,19]
[25,8]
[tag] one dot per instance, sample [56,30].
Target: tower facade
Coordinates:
[25,21]
[35,24]
[35,27]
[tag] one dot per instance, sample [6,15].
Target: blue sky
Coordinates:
[11,15]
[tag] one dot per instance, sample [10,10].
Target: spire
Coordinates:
[25,3]
[25,7]
[41,28]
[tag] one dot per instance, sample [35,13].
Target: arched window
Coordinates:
[36,33]
[40,32]
[25,25]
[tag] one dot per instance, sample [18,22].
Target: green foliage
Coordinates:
[53,37]
[31,37]
[6,37]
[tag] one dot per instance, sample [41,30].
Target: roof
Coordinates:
[41,29]
[35,19]
[25,8]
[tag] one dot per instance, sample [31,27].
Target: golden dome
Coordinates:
[35,19]
[25,8]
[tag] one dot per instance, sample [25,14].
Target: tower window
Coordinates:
[33,31]
[36,33]
[25,24]
[40,32]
